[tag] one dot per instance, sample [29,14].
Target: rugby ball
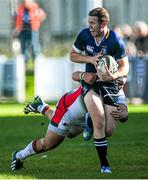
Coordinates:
[109,62]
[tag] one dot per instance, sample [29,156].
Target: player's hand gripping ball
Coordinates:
[107,62]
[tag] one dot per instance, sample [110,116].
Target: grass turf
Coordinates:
[74,159]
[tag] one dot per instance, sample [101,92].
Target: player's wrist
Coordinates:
[97,77]
[81,76]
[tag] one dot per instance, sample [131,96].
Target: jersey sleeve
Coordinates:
[79,43]
[120,49]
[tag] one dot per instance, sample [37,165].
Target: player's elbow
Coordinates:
[123,120]
[126,66]
[73,55]
[72,58]
[75,76]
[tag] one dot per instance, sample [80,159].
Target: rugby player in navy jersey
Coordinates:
[120,110]
[96,41]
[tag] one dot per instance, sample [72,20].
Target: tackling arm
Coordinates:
[86,79]
[89,78]
[121,113]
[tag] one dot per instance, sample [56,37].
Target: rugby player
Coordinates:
[96,41]
[119,113]
[67,120]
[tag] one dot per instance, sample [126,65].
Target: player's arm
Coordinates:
[78,57]
[121,113]
[88,77]
[123,68]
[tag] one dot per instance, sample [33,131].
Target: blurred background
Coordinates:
[49,75]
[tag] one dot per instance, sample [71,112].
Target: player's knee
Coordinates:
[73,132]
[70,135]
[109,132]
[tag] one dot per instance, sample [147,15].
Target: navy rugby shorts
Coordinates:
[110,93]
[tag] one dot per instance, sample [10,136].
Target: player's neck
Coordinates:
[102,35]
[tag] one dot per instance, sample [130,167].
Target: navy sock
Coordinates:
[101,147]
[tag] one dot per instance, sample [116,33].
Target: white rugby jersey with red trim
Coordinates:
[70,107]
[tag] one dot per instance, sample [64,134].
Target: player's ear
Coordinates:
[103,24]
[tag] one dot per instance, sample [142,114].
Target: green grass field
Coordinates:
[74,159]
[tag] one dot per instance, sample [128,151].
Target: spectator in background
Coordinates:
[28,21]
[118,30]
[141,41]
[128,38]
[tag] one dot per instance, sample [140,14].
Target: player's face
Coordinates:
[94,26]
[28,3]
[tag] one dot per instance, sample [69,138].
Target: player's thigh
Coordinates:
[110,121]
[75,130]
[52,139]
[94,104]
[95,107]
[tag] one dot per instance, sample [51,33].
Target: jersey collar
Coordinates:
[103,38]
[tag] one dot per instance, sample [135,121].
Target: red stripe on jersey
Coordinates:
[66,101]
[72,96]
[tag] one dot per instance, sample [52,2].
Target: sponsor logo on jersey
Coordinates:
[90,48]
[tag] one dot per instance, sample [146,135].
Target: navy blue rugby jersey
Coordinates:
[110,44]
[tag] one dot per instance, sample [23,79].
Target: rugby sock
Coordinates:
[27,151]
[101,147]
[43,108]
